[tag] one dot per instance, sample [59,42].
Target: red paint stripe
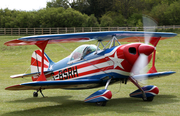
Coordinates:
[107,95]
[93,63]
[34,63]
[93,97]
[155,90]
[40,54]
[95,71]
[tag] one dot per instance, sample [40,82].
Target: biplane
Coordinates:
[88,66]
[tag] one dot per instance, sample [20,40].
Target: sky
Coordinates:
[23,5]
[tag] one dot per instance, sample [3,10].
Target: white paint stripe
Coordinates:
[39,58]
[34,69]
[92,67]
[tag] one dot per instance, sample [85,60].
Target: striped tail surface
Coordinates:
[36,63]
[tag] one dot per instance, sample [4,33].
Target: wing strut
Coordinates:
[154,42]
[114,39]
[42,46]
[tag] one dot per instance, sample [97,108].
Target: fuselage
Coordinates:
[115,63]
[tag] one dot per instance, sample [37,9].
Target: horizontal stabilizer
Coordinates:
[30,74]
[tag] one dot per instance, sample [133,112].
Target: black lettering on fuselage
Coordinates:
[65,76]
[75,71]
[60,75]
[68,73]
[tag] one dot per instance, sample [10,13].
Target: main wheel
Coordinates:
[101,103]
[35,94]
[149,98]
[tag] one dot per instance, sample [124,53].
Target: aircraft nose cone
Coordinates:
[146,49]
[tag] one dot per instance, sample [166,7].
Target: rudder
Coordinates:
[36,63]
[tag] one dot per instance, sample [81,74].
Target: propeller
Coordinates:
[149,25]
[140,66]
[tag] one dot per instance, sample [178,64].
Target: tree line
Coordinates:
[93,13]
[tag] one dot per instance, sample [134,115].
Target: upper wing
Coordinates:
[126,36]
[36,85]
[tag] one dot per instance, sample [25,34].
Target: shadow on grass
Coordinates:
[66,106]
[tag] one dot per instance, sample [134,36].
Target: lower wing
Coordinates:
[154,75]
[74,84]
[66,84]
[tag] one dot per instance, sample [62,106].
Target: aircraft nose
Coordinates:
[146,49]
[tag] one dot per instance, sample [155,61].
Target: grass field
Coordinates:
[16,60]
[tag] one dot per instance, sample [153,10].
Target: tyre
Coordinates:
[149,99]
[35,94]
[101,103]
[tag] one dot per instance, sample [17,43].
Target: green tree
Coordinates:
[158,13]
[73,18]
[106,21]
[58,3]
[117,19]
[49,17]
[135,20]
[92,21]
[172,13]
[80,5]
[59,17]
[8,18]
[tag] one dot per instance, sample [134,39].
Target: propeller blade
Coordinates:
[140,66]
[140,63]
[149,25]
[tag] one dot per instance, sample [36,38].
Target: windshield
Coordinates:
[82,51]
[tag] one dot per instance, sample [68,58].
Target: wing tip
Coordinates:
[12,87]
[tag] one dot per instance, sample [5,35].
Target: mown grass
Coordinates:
[16,60]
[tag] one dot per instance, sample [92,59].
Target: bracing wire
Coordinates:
[119,89]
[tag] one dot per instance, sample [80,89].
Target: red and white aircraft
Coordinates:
[89,67]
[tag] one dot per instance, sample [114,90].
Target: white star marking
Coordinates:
[117,61]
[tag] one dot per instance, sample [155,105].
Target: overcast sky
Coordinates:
[27,5]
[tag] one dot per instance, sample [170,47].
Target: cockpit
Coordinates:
[83,51]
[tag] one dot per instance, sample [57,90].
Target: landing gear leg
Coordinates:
[138,86]
[41,92]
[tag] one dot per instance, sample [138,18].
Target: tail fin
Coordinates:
[36,63]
